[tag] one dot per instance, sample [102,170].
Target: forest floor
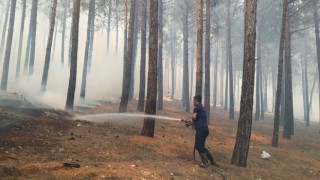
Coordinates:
[34,144]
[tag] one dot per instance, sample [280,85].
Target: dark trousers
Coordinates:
[201,136]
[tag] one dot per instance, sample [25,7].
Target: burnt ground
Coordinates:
[35,143]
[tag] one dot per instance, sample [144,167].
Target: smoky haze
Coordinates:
[104,81]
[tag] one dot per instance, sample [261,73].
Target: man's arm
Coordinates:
[194,116]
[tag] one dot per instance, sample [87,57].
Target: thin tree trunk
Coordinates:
[5,71]
[221,83]
[128,63]
[125,35]
[199,46]
[215,76]
[316,25]
[258,74]
[74,55]
[91,38]
[142,87]
[261,93]
[207,61]
[34,12]
[275,137]
[303,88]
[306,93]
[109,24]
[27,56]
[172,64]
[86,53]
[288,121]
[265,93]
[273,89]
[4,30]
[49,45]
[231,110]
[185,87]
[241,148]
[160,58]
[149,123]
[23,17]
[117,25]
[227,77]
[134,55]
[64,21]
[54,41]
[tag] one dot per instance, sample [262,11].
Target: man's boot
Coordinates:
[204,160]
[210,157]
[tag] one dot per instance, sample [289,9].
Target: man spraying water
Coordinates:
[200,123]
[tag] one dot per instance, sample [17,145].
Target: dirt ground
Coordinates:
[34,144]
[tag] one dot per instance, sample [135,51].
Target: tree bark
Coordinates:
[125,35]
[117,25]
[160,57]
[199,46]
[288,121]
[5,71]
[316,25]
[23,17]
[207,61]
[49,45]
[86,53]
[74,55]
[55,40]
[126,82]
[63,33]
[185,87]
[4,30]
[241,148]
[109,24]
[34,12]
[231,93]
[172,63]
[258,74]
[91,38]
[142,87]
[27,56]
[275,136]
[149,123]
[215,76]
[261,92]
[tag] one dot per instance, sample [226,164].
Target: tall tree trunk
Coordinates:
[134,55]
[185,87]
[288,121]
[265,93]
[207,61]
[128,63]
[172,63]
[283,97]
[275,137]
[258,74]
[74,55]
[142,87]
[199,46]
[92,21]
[55,40]
[125,35]
[231,110]
[63,33]
[160,58]
[27,56]
[49,45]
[5,71]
[23,17]
[227,77]
[215,76]
[316,26]
[117,26]
[86,53]
[241,148]
[109,24]
[192,66]
[149,123]
[303,88]
[34,12]
[4,30]
[70,39]
[261,93]
[274,89]
[221,83]
[307,94]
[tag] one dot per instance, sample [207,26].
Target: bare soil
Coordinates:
[34,144]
